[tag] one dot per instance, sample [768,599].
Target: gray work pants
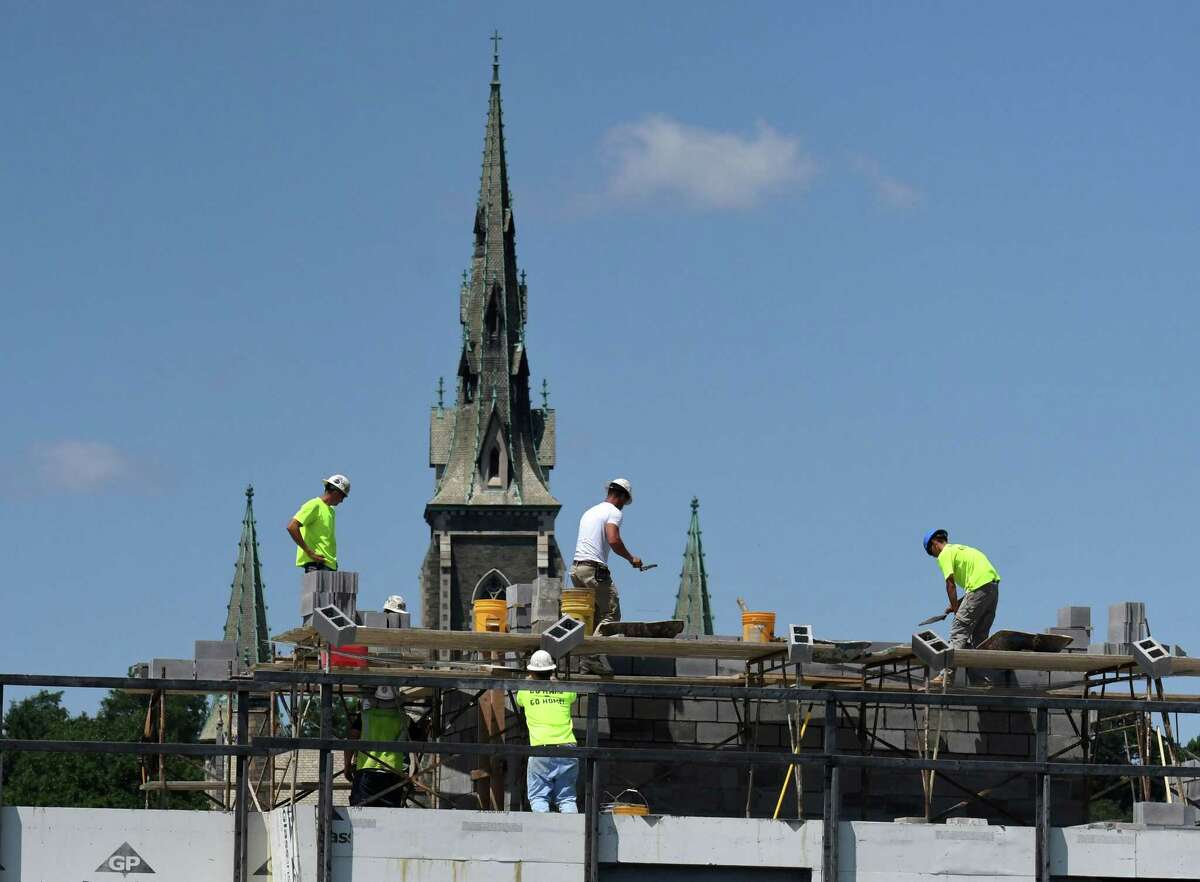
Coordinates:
[973,621]
[607,608]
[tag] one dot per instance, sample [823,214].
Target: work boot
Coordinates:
[941,680]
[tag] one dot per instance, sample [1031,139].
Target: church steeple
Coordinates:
[246,620]
[692,604]
[493,448]
[492,514]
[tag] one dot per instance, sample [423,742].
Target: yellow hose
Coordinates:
[791,768]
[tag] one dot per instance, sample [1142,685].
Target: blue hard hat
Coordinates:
[929,538]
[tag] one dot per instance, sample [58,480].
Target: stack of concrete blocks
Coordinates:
[328,588]
[1074,622]
[519,603]
[546,596]
[214,660]
[370,618]
[1126,625]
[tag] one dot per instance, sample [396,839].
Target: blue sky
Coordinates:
[846,273]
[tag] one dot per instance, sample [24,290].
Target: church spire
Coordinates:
[246,620]
[692,604]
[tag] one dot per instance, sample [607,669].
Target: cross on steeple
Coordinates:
[545,394]
[441,391]
[496,38]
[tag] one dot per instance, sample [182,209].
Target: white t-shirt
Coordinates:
[593,539]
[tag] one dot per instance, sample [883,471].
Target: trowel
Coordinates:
[645,567]
[932,619]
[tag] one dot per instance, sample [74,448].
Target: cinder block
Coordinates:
[696,710]
[675,731]
[402,619]
[141,670]
[173,669]
[800,644]
[1161,814]
[334,626]
[1079,637]
[695,667]
[1005,745]
[369,618]
[214,668]
[563,636]
[1075,617]
[653,667]
[1152,658]
[219,649]
[652,708]
[715,733]
[519,595]
[930,648]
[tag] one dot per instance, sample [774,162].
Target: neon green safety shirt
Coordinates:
[316,519]
[969,566]
[548,715]
[383,724]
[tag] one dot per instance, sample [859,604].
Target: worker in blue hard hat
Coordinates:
[969,569]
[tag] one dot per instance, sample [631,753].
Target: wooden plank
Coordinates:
[490,641]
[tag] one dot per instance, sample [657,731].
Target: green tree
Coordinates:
[91,779]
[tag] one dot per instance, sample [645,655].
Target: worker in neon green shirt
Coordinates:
[969,569]
[549,780]
[313,527]
[380,777]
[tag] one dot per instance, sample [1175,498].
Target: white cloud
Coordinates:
[80,466]
[890,191]
[659,156]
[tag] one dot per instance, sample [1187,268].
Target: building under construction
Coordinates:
[704,756]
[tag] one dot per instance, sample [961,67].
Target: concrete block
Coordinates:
[214,668]
[695,667]
[141,669]
[931,649]
[1006,745]
[800,644]
[1152,658]
[519,595]
[1161,814]
[675,731]
[715,733]
[653,667]
[402,619]
[563,636]
[172,669]
[335,626]
[696,710]
[370,618]
[223,649]
[1080,637]
[652,708]
[1075,617]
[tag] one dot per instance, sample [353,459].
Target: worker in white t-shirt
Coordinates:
[600,533]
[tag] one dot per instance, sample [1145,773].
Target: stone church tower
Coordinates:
[491,518]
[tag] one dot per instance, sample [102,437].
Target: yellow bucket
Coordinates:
[758,627]
[490,615]
[581,605]
[620,806]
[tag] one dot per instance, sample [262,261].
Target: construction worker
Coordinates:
[599,533]
[549,780]
[380,777]
[967,568]
[312,527]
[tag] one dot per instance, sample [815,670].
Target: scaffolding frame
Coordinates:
[829,759]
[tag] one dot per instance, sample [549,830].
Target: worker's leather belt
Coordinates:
[590,563]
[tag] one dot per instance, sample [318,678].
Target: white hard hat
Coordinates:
[624,484]
[395,603]
[385,693]
[339,482]
[541,661]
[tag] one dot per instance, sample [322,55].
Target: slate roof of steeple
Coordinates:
[692,603]
[246,618]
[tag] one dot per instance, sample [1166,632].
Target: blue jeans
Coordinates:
[550,780]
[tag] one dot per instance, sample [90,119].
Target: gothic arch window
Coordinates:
[493,458]
[492,586]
